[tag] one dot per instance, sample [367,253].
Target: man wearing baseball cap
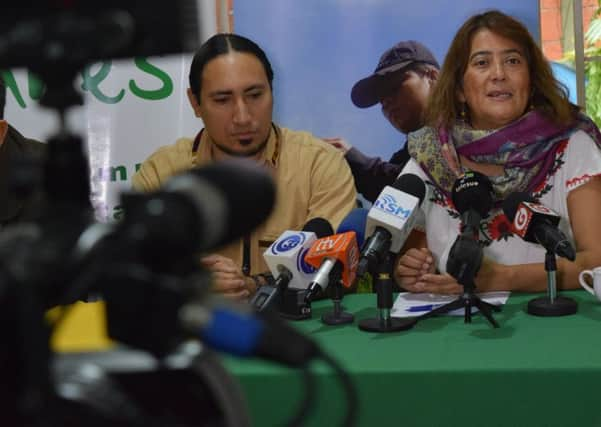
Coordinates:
[401,83]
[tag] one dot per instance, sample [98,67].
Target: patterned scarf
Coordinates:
[526,149]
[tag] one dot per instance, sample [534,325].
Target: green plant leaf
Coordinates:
[593,34]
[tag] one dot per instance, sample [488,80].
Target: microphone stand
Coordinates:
[467,300]
[292,304]
[465,259]
[552,305]
[288,302]
[384,288]
[46,242]
[337,316]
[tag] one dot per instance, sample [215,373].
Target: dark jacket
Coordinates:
[372,174]
[13,152]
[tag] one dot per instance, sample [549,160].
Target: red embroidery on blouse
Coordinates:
[579,180]
[561,148]
[499,227]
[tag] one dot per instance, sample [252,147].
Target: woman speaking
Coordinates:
[498,110]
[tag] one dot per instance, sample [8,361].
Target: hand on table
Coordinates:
[415,271]
[227,278]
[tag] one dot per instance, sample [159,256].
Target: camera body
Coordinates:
[35,34]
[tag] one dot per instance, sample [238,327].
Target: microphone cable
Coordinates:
[308,401]
[352,400]
[310,387]
[306,351]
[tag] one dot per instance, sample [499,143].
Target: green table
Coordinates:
[532,371]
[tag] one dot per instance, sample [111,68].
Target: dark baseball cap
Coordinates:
[368,91]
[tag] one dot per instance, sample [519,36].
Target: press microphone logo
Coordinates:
[522,220]
[387,203]
[302,265]
[288,243]
[466,181]
[330,243]
[353,257]
[535,207]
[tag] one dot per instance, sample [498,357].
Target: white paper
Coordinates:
[410,304]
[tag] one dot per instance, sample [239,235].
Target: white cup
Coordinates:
[595,274]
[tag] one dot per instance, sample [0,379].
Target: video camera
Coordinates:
[61,255]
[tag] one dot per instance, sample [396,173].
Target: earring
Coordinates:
[463,112]
[531,106]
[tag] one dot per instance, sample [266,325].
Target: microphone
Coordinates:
[199,210]
[472,197]
[354,221]
[336,258]
[375,256]
[240,332]
[286,256]
[286,261]
[391,219]
[537,223]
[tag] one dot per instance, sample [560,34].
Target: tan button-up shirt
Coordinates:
[312,180]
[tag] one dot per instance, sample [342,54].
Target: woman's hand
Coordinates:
[227,278]
[412,265]
[491,276]
[436,283]
[415,272]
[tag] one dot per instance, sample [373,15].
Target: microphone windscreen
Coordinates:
[320,226]
[473,190]
[231,197]
[355,221]
[411,184]
[511,203]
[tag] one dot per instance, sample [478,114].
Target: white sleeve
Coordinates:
[583,161]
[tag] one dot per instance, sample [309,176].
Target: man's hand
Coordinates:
[227,277]
[340,143]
